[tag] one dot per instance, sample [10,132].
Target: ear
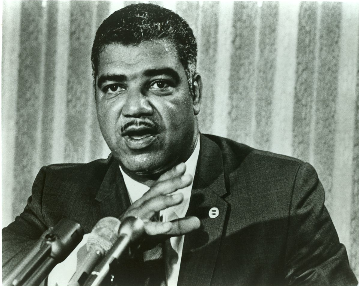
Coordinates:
[197,93]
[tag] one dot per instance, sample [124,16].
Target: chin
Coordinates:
[147,167]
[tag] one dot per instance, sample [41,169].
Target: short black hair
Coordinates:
[137,23]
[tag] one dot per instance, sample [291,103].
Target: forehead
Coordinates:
[137,58]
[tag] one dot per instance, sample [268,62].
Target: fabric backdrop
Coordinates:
[277,76]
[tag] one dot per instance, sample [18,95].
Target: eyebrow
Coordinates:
[164,71]
[149,73]
[110,77]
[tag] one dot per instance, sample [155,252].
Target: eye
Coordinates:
[113,88]
[159,84]
[161,87]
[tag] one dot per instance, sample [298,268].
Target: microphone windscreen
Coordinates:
[103,235]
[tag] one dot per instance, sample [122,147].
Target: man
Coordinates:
[229,214]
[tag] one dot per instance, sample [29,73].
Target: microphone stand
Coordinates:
[53,247]
[131,229]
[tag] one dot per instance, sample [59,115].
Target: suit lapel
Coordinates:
[201,247]
[112,196]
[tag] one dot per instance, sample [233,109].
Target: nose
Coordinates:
[136,105]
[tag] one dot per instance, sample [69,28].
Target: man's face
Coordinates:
[144,106]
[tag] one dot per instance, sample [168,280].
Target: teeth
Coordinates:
[138,137]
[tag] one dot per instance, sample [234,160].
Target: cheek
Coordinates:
[179,118]
[184,110]
[107,120]
[102,114]
[109,109]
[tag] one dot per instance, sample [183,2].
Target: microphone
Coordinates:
[131,229]
[101,239]
[53,247]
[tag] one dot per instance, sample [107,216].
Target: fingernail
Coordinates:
[177,196]
[180,167]
[186,177]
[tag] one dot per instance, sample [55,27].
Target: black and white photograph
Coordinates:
[180,143]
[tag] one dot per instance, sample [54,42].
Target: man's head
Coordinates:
[147,91]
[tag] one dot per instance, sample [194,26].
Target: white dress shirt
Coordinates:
[136,190]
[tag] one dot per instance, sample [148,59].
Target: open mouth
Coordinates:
[138,134]
[139,137]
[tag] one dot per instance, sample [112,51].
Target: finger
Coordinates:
[156,204]
[159,197]
[157,228]
[166,187]
[176,175]
[183,226]
[175,171]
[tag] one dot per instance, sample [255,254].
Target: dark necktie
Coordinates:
[154,263]
[142,268]
[154,266]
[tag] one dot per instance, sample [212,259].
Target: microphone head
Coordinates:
[103,235]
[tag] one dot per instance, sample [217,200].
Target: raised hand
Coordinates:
[161,196]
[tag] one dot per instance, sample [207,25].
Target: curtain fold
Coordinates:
[278,76]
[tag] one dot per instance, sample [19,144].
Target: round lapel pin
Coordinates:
[213,212]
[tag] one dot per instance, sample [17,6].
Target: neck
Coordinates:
[147,180]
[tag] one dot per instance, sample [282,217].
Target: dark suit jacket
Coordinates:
[272,228]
